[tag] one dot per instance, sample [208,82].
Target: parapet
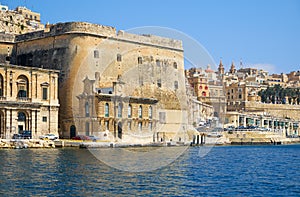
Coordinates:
[100,30]
[4,37]
[150,39]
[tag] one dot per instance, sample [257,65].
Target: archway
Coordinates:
[21,122]
[120,130]
[72,131]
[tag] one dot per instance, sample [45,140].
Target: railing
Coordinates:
[23,99]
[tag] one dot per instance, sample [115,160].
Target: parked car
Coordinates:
[25,134]
[49,136]
[94,138]
[214,134]
[81,137]
[251,127]
[240,128]
[17,136]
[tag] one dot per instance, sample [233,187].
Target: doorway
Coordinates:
[120,130]
[72,131]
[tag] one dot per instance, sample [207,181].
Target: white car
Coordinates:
[49,136]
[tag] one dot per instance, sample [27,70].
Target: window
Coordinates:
[203,93]
[200,87]
[21,117]
[140,60]
[140,112]
[22,85]
[1,85]
[96,54]
[87,109]
[106,125]
[157,63]
[140,126]
[159,83]
[120,109]
[206,88]
[119,57]
[129,110]
[44,119]
[150,126]
[45,93]
[106,110]
[175,65]
[240,96]
[150,112]
[175,85]
[87,128]
[129,126]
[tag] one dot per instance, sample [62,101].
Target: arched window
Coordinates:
[150,112]
[129,111]
[203,93]
[22,85]
[1,85]
[87,109]
[200,87]
[140,112]
[120,109]
[106,110]
[206,88]
[21,117]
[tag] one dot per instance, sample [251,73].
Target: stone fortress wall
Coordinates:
[79,49]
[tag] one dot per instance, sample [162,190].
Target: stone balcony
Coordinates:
[23,99]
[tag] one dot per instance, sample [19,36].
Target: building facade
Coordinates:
[28,100]
[151,67]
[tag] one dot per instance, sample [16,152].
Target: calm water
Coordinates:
[225,171]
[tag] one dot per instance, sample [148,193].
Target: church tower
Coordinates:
[232,68]
[221,68]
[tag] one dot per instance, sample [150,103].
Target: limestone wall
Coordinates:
[277,110]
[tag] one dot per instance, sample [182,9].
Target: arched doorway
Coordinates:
[21,122]
[72,131]
[120,130]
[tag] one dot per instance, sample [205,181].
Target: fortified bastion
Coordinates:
[79,49]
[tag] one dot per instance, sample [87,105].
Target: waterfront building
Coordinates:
[28,100]
[208,89]
[151,67]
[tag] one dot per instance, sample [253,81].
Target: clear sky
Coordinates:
[263,33]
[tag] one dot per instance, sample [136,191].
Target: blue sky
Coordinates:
[264,34]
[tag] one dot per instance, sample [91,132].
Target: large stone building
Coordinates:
[151,67]
[28,100]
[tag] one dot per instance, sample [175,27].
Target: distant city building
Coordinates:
[19,21]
